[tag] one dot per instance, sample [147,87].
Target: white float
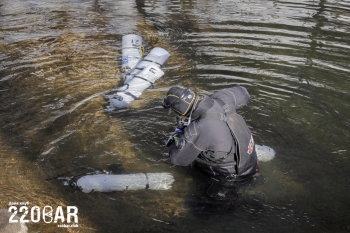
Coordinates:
[132,52]
[156,57]
[124,95]
[110,183]
[153,181]
[138,74]
[264,153]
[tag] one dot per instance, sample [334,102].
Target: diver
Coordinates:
[213,137]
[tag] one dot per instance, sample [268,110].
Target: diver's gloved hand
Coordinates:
[177,140]
[170,140]
[174,136]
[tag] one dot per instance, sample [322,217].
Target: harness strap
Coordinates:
[153,62]
[209,163]
[144,79]
[129,94]
[223,105]
[214,116]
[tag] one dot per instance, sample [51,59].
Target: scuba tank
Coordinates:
[131,91]
[264,153]
[110,183]
[138,74]
[132,52]
[156,57]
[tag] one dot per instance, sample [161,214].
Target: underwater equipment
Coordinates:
[157,56]
[138,74]
[137,181]
[181,100]
[179,130]
[180,123]
[132,51]
[132,90]
[264,153]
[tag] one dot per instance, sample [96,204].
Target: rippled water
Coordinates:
[293,57]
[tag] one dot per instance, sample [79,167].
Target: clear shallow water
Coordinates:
[292,57]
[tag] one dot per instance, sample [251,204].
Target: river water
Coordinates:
[293,57]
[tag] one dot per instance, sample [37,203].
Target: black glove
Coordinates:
[173,137]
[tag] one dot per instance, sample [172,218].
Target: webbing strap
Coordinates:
[216,163]
[129,94]
[144,79]
[153,62]
[223,105]
[214,116]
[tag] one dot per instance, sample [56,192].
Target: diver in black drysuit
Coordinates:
[228,156]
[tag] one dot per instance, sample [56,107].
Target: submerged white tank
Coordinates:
[264,153]
[138,181]
[138,74]
[132,51]
[156,57]
[122,96]
[110,183]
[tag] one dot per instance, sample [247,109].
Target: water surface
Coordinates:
[57,56]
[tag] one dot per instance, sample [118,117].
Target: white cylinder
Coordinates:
[110,183]
[131,52]
[264,153]
[135,87]
[156,57]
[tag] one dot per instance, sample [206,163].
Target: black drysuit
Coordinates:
[209,141]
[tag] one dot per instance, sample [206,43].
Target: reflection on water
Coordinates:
[57,56]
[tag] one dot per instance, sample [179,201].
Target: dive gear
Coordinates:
[135,87]
[157,57]
[181,100]
[132,51]
[208,137]
[138,74]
